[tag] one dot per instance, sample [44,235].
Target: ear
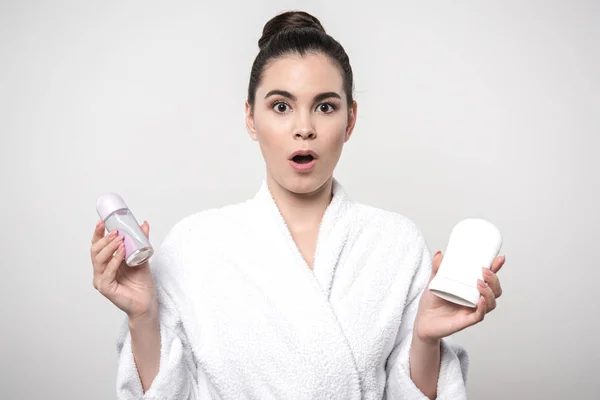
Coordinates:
[352,113]
[250,122]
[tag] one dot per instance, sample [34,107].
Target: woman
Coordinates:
[299,292]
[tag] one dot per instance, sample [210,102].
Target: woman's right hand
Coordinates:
[132,289]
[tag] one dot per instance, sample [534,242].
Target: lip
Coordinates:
[303,167]
[304,153]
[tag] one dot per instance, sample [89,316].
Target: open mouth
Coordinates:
[303,158]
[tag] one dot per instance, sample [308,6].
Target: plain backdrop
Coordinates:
[485,109]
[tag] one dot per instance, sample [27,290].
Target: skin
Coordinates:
[300,104]
[302,198]
[438,318]
[133,291]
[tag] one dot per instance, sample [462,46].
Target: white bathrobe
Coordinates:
[242,316]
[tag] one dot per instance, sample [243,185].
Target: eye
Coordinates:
[326,108]
[280,107]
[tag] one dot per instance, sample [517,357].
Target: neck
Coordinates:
[301,211]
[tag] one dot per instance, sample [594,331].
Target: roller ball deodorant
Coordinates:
[117,216]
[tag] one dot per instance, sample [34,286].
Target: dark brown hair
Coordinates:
[297,32]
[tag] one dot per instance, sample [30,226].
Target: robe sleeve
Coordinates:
[452,378]
[176,378]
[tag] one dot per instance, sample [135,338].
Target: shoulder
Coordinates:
[393,224]
[195,233]
[406,253]
[208,223]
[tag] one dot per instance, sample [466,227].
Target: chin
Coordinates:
[304,183]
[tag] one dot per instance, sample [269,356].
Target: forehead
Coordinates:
[302,75]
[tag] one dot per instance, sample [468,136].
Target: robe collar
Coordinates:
[333,233]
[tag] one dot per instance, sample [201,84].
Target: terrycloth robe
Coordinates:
[242,316]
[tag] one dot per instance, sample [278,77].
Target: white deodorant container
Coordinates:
[474,243]
[116,215]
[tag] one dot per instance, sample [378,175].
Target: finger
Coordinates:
[98,231]
[435,264]
[497,264]
[106,253]
[493,282]
[487,293]
[110,272]
[479,314]
[101,243]
[146,229]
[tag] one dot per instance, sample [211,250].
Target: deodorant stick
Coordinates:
[474,243]
[116,215]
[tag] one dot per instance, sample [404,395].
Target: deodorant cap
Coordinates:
[455,291]
[473,243]
[108,203]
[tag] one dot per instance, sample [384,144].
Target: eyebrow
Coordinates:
[319,97]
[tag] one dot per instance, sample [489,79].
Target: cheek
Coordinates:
[265,128]
[333,131]
[270,136]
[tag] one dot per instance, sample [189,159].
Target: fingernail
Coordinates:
[487,272]
[98,223]
[113,234]
[503,258]
[481,283]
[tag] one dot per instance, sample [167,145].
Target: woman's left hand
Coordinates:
[438,318]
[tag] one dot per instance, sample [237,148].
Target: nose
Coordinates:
[305,134]
[304,129]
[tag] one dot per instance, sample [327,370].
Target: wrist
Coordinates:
[145,319]
[426,341]
[425,364]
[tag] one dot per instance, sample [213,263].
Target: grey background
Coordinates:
[478,108]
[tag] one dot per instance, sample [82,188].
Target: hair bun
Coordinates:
[288,20]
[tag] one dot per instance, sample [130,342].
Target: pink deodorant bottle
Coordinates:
[116,215]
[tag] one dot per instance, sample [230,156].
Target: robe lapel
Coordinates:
[332,237]
[302,293]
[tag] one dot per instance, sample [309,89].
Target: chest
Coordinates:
[262,300]
[306,241]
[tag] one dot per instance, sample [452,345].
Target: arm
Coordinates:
[155,357]
[413,368]
[145,345]
[424,363]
